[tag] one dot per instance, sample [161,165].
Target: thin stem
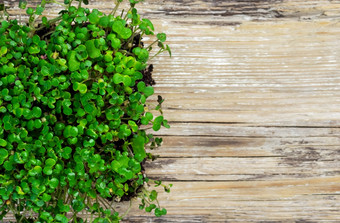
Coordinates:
[69,198]
[127,13]
[130,151]
[121,14]
[58,3]
[74,217]
[52,21]
[160,51]
[46,34]
[151,44]
[146,128]
[11,207]
[22,216]
[115,9]
[20,17]
[112,202]
[91,217]
[104,203]
[140,38]
[33,17]
[130,40]
[126,52]
[70,4]
[128,210]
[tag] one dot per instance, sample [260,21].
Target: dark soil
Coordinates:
[147,76]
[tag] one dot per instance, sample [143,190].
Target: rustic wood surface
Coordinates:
[253,98]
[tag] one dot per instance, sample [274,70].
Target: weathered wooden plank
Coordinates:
[298,163]
[234,9]
[233,130]
[255,118]
[287,75]
[313,199]
[198,146]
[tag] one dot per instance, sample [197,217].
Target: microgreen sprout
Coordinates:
[74,113]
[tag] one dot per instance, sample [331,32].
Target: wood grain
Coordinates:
[253,97]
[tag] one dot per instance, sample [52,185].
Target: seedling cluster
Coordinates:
[74,113]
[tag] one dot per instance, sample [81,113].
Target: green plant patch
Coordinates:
[74,113]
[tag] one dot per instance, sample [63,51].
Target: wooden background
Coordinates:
[253,97]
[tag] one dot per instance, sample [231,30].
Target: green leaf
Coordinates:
[46,197]
[22,4]
[70,131]
[104,21]
[148,91]
[92,50]
[50,162]
[5,92]
[116,43]
[144,121]
[124,131]
[71,178]
[165,124]
[141,86]
[47,170]
[135,165]
[161,37]
[117,78]
[108,57]
[125,33]
[149,115]
[82,88]
[44,20]
[36,111]
[149,24]
[45,215]
[138,143]
[168,49]
[126,80]
[117,26]
[3,143]
[133,125]
[92,133]
[37,123]
[66,153]
[3,155]
[78,205]
[39,10]
[29,11]
[53,183]
[67,111]
[73,63]
[19,190]
[89,143]
[35,171]
[3,109]
[93,17]
[61,218]
[3,50]
[89,108]
[34,49]
[159,119]
[153,195]
[157,123]
[159,212]
[111,36]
